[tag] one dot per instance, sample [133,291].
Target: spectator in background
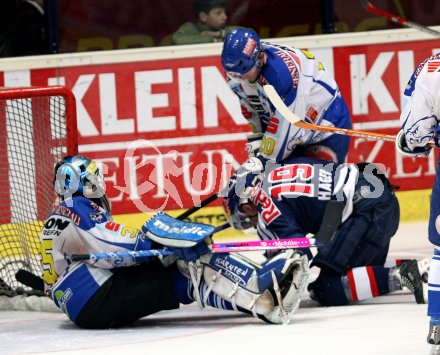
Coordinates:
[22,29]
[210,26]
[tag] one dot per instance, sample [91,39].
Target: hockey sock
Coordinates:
[367,282]
[434,286]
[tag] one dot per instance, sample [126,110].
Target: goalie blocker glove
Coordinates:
[187,240]
[270,291]
[402,147]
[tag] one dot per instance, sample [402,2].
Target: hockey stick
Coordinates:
[296,120]
[142,255]
[397,19]
[203,203]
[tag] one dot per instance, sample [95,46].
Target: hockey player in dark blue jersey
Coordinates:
[301,81]
[291,199]
[103,293]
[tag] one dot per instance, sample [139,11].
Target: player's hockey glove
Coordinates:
[253,144]
[402,147]
[254,165]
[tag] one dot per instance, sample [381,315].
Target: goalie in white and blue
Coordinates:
[114,292]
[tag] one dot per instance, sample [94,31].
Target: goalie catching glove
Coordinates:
[189,241]
[270,291]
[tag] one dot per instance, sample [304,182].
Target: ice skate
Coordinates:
[424,266]
[411,279]
[434,336]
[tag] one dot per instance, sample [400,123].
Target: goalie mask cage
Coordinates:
[37,128]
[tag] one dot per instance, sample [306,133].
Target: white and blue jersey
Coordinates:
[79,226]
[420,124]
[421,110]
[308,90]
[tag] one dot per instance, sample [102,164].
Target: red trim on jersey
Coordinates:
[352,284]
[433,66]
[373,284]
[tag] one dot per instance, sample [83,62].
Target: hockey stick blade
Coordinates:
[29,279]
[295,120]
[369,7]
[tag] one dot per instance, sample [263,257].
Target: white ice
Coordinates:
[392,324]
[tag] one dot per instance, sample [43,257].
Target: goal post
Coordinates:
[37,128]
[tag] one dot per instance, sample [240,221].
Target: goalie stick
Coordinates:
[369,7]
[29,279]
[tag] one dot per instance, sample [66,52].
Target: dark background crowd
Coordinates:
[29,27]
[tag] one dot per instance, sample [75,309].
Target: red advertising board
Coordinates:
[169,132]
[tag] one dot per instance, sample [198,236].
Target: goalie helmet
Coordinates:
[76,175]
[240,51]
[236,194]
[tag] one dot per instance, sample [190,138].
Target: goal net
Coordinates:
[37,128]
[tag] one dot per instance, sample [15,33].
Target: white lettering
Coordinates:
[86,127]
[215,88]
[110,124]
[187,98]
[363,84]
[146,101]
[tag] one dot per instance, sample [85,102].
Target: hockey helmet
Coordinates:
[237,193]
[76,175]
[240,51]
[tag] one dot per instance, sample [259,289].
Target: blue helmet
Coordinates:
[241,186]
[240,50]
[76,175]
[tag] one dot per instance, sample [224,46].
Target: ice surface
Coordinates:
[392,324]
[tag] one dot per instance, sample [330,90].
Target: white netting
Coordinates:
[33,136]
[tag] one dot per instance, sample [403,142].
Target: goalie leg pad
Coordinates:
[271,291]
